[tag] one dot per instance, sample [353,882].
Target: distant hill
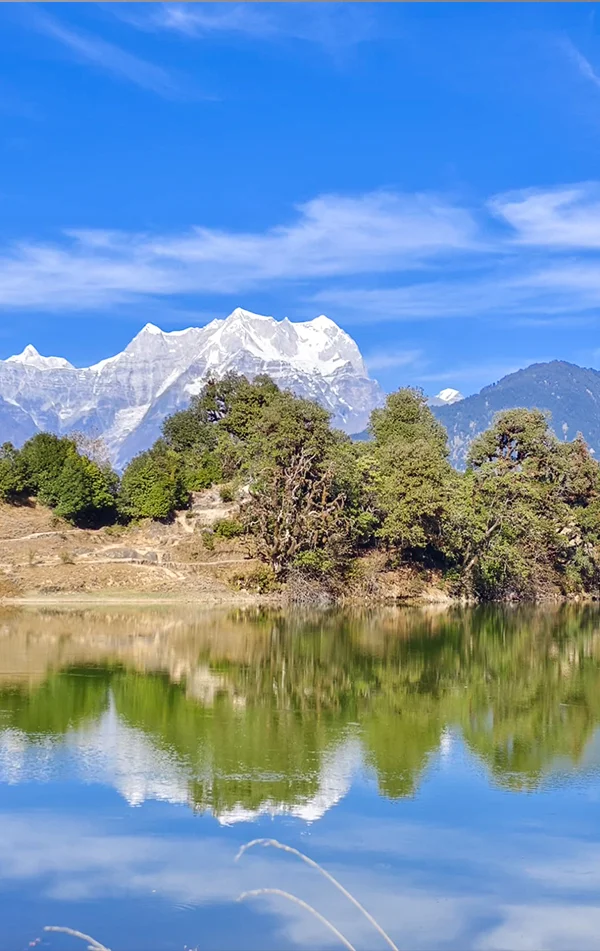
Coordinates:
[570,393]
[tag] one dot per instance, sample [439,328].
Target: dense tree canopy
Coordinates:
[152,485]
[523,521]
[13,475]
[411,476]
[51,468]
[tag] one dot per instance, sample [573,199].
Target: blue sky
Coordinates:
[426,175]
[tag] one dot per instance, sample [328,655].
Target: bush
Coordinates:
[208,540]
[228,528]
[115,530]
[315,564]
[261,580]
[226,493]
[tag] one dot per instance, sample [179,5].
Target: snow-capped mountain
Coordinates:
[126,397]
[446,397]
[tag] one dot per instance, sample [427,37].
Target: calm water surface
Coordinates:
[443,765]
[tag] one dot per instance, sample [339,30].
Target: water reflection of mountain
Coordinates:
[245,713]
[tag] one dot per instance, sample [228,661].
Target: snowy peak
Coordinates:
[248,316]
[313,346]
[151,329]
[446,397]
[126,397]
[450,396]
[31,357]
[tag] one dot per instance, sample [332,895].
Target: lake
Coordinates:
[444,765]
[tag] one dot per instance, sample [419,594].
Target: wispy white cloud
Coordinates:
[330,236]
[390,359]
[566,217]
[582,63]
[379,256]
[533,291]
[334,26]
[203,20]
[108,57]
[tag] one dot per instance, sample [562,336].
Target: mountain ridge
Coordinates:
[125,397]
[570,393]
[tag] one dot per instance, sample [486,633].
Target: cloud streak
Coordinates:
[392,359]
[567,217]
[109,58]
[330,236]
[582,63]
[379,256]
[333,26]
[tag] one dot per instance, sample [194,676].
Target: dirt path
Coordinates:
[32,535]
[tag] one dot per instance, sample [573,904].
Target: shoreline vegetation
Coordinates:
[300,513]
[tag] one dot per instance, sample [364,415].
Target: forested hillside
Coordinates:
[570,394]
[523,520]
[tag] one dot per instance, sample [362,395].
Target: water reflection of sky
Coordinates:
[444,766]
[464,864]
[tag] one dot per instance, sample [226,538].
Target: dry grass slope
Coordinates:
[42,556]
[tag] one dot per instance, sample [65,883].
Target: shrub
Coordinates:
[115,530]
[316,564]
[208,540]
[226,493]
[261,580]
[228,528]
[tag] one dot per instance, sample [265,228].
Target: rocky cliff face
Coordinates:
[126,397]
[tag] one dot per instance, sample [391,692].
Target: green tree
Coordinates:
[13,474]
[406,417]
[410,475]
[85,492]
[529,513]
[212,433]
[44,456]
[152,485]
[519,441]
[188,430]
[76,487]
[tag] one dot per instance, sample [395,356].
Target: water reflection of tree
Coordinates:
[65,700]
[235,755]
[522,686]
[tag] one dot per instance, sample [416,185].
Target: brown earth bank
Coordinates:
[45,559]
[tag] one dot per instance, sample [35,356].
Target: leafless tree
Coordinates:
[294,508]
